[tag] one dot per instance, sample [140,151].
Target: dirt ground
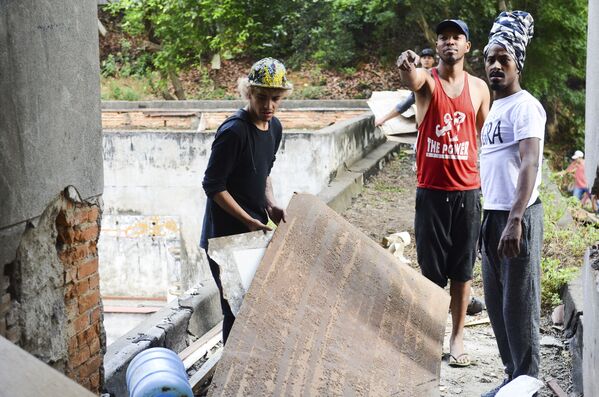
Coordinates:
[387,206]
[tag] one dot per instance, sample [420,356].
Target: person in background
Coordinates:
[512,227]
[427,61]
[576,168]
[237,180]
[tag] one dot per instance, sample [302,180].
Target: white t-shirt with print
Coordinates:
[510,120]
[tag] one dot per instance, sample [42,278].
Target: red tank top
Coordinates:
[446,149]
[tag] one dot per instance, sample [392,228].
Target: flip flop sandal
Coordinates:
[455,361]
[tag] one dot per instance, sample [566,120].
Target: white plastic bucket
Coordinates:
[157,372]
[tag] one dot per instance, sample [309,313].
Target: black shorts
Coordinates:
[447,225]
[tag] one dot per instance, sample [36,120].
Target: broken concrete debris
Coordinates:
[396,243]
[329,312]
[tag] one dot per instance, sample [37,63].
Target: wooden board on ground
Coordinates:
[330,312]
[21,374]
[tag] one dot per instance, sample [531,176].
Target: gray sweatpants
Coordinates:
[513,290]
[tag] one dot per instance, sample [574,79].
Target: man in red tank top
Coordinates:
[451,107]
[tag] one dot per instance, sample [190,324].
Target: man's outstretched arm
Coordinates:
[412,76]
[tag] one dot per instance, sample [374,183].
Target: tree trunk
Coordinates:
[502,5]
[430,36]
[179,91]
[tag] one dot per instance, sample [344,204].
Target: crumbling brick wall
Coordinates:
[50,296]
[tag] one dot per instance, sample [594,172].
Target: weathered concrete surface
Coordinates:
[574,330]
[235,104]
[592,95]
[21,374]
[192,314]
[141,256]
[160,174]
[330,312]
[50,134]
[349,183]
[40,291]
[590,361]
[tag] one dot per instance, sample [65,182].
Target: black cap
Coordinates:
[427,52]
[458,23]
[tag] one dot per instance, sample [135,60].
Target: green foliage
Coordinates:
[563,246]
[340,33]
[310,92]
[554,278]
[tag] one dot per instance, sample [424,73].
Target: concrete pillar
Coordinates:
[590,320]
[51,181]
[592,94]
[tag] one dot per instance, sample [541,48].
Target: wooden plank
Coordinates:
[482,321]
[192,353]
[555,388]
[21,374]
[330,312]
[205,372]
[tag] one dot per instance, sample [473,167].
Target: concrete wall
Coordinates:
[233,105]
[590,355]
[592,95]
[50,139]
[160,173]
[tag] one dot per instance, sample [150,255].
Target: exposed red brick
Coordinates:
[81,323]
[94,281]
[72,308]
[81,287]
[90,367]
[70,292]
[74,253]
[70,275]
[86,302]
[95,315]
[94,382]
[72,346]
[94,345]
[87,268]
[84,214]
[79,357]
[86,234]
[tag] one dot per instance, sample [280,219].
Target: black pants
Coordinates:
[229,318]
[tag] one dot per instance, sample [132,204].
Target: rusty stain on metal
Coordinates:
[329,312]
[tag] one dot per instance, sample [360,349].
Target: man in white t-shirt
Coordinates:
[512,227]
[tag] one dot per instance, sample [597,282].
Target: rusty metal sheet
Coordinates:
[330,312]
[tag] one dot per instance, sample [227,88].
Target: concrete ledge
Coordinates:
[195,313]
[233,104]
[573,325]
[590,338]
[349,183]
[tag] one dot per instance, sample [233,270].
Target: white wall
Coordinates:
[160,174]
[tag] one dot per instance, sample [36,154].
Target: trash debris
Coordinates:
[522,386]
[396,243]
[551,341]
[238,257]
